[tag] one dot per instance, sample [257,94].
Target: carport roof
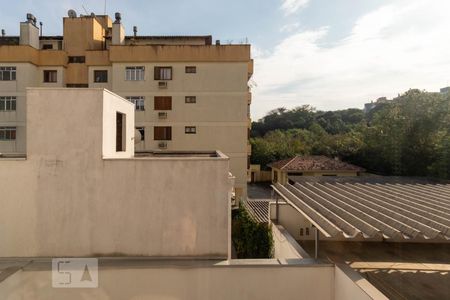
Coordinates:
[380,208]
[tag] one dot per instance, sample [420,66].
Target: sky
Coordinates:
[331,54]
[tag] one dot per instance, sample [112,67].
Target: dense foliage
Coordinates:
[250,238]
[408,136]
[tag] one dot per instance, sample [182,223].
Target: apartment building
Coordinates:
[189,93]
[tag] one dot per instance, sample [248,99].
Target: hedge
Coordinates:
[250,238]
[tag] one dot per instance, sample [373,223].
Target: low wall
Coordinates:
[348,284]
[285,245]
[188,279]
[240,279]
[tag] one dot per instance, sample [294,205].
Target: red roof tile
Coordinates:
[314,163]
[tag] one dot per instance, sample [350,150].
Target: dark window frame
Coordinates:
[190,99]
[77,85]
[8,133]
[49,77]
[162,133]
[77,59]
[190,129]
[11,71]
[159,75]
[142,132]
[100,78]
[8,103]
[138,101]
[190,69]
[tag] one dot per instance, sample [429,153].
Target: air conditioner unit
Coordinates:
[162,145]
[162,84]
[162,115]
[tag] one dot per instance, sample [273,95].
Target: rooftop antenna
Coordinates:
[104,9]
[85,10]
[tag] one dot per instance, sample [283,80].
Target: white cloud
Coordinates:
[292,6]
[290,27]
[396,47]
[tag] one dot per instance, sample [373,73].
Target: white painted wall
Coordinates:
[65,200]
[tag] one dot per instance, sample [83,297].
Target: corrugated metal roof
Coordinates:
[374,207]
[258,209]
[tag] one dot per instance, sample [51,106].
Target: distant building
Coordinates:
[189,93]
[311,166]
[369,106]
[445,90]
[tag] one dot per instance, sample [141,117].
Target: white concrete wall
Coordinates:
[113,104]
[349,284]
[285,245]
[171,280]
[65,200]
[292,221]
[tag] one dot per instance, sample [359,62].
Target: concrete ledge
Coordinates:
[345,285]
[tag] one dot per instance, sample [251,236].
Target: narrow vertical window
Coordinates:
[120,132]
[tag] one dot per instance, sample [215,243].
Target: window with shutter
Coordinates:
[163,73]
[162,133]
[163,103]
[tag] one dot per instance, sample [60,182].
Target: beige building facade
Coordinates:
[189,93]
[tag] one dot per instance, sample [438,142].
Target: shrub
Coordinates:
[250,238]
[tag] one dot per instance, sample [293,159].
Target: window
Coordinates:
[100,76]
[138,102]
[163,103]
[120,132]
[275,176]
[190,130]
[77,59]
[7,73]
[163,73]
[50,76]
[77,85]
[7,103]
[162,133]
[7,133]
[190,99]
[191,69]
[307,230]
[134,73]
[301,231]
[47,47]
[142,132]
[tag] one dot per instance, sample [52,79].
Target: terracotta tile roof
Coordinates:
[314,163]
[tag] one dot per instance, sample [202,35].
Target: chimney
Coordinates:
[3,33]
[118,32]
[29,32]
[135,31]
